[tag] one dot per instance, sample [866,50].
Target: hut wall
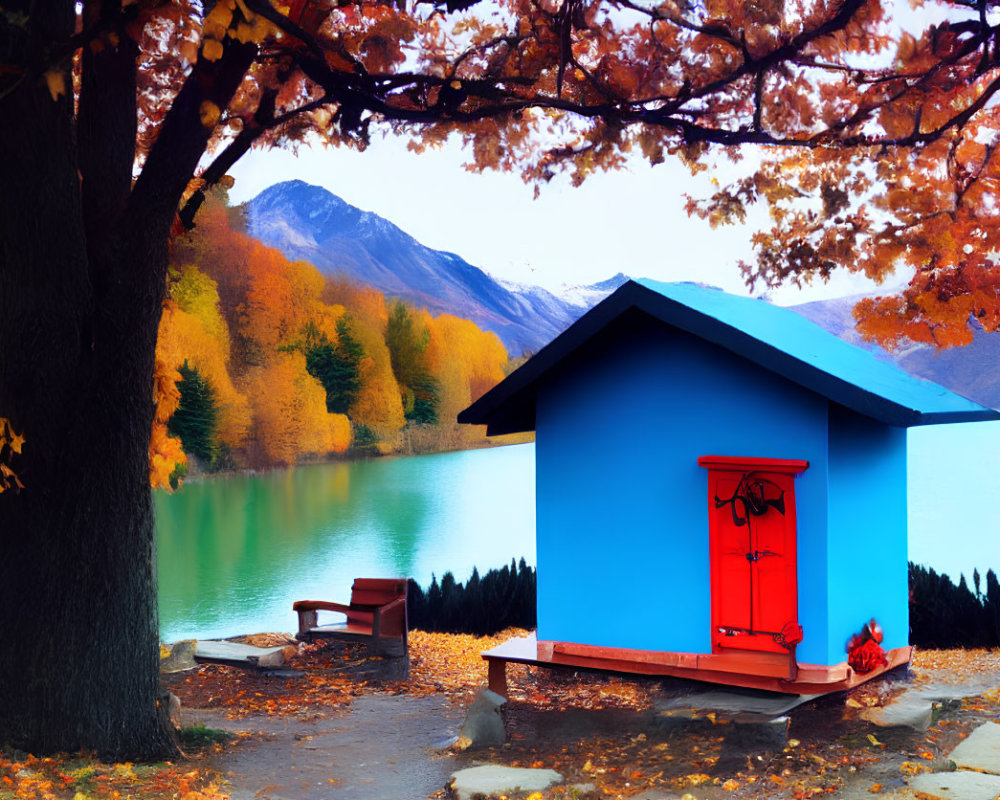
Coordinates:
[622,522]
[867,530]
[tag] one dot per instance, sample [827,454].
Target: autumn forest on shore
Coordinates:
[262,362]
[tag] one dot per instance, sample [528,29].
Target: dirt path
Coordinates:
[384,747]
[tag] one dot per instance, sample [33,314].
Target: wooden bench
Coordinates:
[376,616]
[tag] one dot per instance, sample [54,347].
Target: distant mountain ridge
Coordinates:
[972,371]
[312,224]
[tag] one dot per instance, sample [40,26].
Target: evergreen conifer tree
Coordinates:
[943,614]
[434,602]
[992,606]
[194,421]
[337,367]
[502,598]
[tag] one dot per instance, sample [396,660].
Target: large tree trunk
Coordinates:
[78,604]
[83,256]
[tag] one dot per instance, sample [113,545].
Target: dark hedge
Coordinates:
[502,598]
[943,614]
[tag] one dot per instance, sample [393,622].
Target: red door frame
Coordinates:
[753,564]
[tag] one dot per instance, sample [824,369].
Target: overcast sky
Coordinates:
[629,221]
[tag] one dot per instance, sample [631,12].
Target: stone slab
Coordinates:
[238,654]
[959,785]
[483,726]
[915,706]
[735,701]
[491,779]
[980,751]
[908,711]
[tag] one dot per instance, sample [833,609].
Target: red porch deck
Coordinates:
[770,671]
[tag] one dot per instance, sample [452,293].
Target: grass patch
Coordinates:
[198,737]
[83,779]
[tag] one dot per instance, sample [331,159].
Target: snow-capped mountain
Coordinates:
[310,223]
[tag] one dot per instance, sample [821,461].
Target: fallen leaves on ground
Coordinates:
[451,664]
[268,639]
[557,689]
[325,676]
[831,745]
[26,777]
[911,768]
[602,729]
[241,693]
[959,663]
[594,728]
[988,701]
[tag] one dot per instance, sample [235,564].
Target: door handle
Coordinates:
[757,555]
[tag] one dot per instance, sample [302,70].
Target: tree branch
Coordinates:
[263,121]
[659,14]
[780,54]
[313,46]
[758,106]
[174,156]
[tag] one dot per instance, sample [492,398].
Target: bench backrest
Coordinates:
[377,591]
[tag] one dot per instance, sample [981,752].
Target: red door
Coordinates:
[752,553]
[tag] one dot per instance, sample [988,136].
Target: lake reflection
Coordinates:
[236,552]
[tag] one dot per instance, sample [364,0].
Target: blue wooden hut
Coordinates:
[720,489]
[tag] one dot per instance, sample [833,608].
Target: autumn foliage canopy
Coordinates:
[871,125]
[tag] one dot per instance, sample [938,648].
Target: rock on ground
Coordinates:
[910,710]
[959,785]
[490,779]
[981,751]
[181,657]
[483,725]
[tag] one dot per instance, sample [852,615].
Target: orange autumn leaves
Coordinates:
[11,444]
[289,412]
[165,452]
[240,314]
[81,778]
[450,665]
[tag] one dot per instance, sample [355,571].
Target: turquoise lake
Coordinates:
[236,552]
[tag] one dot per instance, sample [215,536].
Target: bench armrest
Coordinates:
[387,619]
[307,609]
[320,605]
[394,613]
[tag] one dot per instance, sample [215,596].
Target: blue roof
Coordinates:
[773,337]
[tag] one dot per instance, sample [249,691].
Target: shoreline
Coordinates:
[348,457]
